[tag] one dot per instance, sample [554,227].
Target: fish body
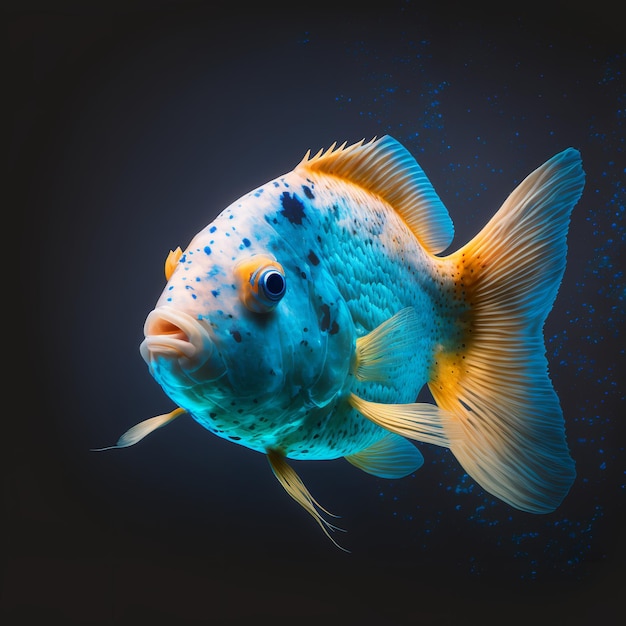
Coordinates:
[306,318]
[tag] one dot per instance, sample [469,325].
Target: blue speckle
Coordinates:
[246,242]
[207,250]
[215,292]
[212,229]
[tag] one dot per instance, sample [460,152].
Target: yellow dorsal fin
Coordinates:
[386,168]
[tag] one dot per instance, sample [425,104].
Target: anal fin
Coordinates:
[390,457]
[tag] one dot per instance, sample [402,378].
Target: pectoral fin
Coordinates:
[139,431]
[391,457]
[388,345]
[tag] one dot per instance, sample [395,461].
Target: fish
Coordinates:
[304,321]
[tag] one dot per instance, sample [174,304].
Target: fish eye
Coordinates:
[261,282]
[273,285]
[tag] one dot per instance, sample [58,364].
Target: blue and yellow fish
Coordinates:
[303,322]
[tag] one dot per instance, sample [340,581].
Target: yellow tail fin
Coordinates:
[495,379]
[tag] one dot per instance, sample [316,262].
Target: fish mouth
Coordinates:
[174,335]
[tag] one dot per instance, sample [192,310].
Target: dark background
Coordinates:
[129,127]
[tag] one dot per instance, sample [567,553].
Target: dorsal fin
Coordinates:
[386,168]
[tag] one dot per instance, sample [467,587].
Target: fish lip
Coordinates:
[173,334]
[166,346]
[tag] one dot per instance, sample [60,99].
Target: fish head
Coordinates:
[247,325]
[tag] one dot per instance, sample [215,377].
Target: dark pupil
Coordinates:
[274,284]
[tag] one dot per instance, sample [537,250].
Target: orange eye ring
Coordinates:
[261,282]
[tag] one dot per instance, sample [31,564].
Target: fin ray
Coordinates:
[385,167]
[141,430]
[419,421]
[294,486]
[386,345]
[390,457]
[495,379]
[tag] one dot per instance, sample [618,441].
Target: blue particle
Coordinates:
[246,242]
[215,292]
[212,229]
[207,250]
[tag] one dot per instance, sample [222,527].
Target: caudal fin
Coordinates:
[494,379]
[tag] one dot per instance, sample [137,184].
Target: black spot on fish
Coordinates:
[236,335]
[334,329]
[307,192]
[234,438]
[325,323]
[292,209]
[313,258]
